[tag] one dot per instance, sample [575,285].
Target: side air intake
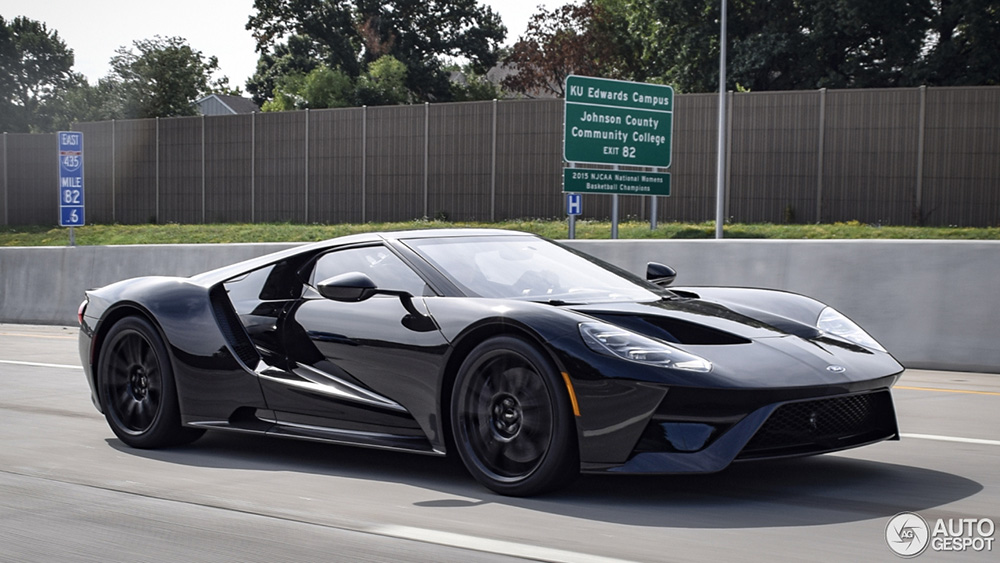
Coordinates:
[232,329]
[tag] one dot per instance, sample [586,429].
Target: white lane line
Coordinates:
[39,365]
[498,547]
[951,439]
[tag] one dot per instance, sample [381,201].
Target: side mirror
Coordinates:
[353,287]
[349,288]
[660,274]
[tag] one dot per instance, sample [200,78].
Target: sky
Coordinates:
[94,29]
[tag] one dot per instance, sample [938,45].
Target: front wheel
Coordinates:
[512,420]
[137,389]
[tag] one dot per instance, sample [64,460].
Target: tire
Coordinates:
[512,419]
[137,390]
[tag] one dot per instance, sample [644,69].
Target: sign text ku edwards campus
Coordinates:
[618,123]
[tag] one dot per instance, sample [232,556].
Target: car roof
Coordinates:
[445,233]
[212,277]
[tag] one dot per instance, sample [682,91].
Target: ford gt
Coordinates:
[530,361]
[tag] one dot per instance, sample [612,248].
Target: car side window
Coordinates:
[377,262]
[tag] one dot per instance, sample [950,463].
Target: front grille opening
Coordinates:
[820,425]
[684,437]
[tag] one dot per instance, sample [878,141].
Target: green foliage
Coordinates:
[420,32]
[568,40]
[81,102]
[298,55]
[326,29]
[965,47]
[773,45]
[383,84]
[327,88]
[163,77]
[352,35]
[35,65]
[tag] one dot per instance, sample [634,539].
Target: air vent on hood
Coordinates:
[672,330]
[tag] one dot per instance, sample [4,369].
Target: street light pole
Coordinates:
[720,179]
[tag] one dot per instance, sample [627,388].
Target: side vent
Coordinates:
[232,329]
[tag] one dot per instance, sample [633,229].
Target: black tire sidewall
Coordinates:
[165,429]
[560,463]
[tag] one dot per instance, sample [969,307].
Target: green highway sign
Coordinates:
[580,180]
[617,122]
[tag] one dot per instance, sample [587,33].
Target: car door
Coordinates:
[363,366]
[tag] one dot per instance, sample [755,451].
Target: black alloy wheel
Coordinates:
[513,423]
[137,387]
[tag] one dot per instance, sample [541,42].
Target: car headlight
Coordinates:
[611,340]
[832,321]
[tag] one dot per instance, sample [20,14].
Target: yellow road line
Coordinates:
[37,335]
[947,390]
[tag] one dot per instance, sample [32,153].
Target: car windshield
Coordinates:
[529,268]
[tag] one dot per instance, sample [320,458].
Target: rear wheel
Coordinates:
[512,419]
[137,390]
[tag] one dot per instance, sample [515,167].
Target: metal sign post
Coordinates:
[71,202]
[574,207]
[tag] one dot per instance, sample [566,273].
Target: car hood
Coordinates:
[748,347]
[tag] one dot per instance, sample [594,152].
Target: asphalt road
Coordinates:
[70,491]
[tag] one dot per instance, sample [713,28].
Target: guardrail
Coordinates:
[933,304]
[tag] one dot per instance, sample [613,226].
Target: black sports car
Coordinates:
[530,360]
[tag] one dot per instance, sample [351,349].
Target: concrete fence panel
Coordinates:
[933,304]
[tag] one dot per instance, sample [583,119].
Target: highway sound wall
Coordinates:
[893,156]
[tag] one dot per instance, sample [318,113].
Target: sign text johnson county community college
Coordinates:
[616,122]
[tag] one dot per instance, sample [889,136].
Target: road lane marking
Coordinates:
[969,392]
[952,439]
[60,337]
[39,364]
[446,539]
[499,547]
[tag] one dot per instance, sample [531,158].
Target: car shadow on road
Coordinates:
[817,490]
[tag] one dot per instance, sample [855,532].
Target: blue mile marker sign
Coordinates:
[70,178]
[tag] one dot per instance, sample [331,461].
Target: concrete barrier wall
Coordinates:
[933,304]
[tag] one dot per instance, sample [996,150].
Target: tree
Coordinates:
[82,102]
[328,24]
[565,41]
[321,88]
[35,64]
[419,33]
[352,35]
[299,55]
[383,84]
[163,77]
[862,43]
[773,45]
[964,47]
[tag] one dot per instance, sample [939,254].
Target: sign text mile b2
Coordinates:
[71,207]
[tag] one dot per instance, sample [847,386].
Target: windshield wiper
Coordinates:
[556,302]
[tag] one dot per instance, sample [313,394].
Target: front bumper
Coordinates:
[692,432]
[704,430]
